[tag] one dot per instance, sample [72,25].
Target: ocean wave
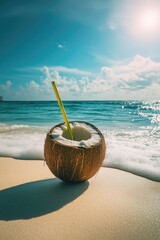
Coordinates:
[154,105]
[22,141]
[152,117]
[6,128]
[135,151]
[141,105]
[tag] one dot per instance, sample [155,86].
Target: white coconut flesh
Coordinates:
[84,135]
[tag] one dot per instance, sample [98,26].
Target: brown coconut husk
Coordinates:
[74,164]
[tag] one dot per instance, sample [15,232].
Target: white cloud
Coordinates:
[32,85]
[6,85]
[6,90]
[138,79]
[50,69]
[105,60]
[65,84]
[139,74]
[60,46]
[63,69]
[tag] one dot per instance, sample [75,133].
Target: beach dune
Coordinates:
[112,205]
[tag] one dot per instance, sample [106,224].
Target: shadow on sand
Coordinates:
[37,198]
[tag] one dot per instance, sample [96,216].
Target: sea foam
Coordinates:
[135,151]
[22,141]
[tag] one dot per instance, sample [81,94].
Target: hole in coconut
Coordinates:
[79,133]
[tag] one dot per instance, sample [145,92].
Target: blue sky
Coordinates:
[94,49]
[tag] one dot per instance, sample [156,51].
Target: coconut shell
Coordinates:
[74,164]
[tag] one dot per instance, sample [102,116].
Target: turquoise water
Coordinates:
[131,129]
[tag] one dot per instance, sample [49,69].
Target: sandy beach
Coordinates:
[112,205]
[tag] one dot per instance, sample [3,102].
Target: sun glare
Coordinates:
[145,23]
[149,20]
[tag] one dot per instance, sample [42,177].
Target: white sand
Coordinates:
[113,205]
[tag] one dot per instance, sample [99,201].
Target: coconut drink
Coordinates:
[74,151]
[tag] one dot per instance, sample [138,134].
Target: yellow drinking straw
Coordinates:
[62,109]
